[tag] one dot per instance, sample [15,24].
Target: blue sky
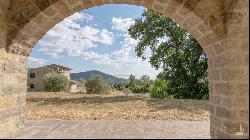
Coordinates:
[94,39]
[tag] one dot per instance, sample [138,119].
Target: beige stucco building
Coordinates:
[35,76]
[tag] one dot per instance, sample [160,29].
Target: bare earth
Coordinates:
[114,106]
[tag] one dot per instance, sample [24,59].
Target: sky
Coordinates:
[94,39]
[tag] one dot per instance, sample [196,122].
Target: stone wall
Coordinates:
[220,26]
[13,71]
[12,94]
[37,81]
[229,76]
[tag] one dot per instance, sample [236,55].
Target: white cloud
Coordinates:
[128,41]
[95,35]
[70,38]
[53,55]
[37,62]
[116,59]
[119,58]
[106,37]
[81,17]
[97,58]
[122,24]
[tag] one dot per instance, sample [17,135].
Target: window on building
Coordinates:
[32,86]
[32,75]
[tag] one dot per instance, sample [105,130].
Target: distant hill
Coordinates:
[87,75]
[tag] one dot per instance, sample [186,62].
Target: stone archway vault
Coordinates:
[220,26]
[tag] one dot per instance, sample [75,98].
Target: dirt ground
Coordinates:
[113,106]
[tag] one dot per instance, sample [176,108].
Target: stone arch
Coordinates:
[220,26]
[37,27]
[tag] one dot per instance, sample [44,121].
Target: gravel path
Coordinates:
[104,129]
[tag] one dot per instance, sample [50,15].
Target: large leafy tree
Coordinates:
[181,57]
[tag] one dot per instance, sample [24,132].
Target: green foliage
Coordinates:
[145,78]
[139,86]
[181,57]
[159,89]
[54,82]
[137,89]
[119,86]
[134,85]
[131,80]
[96,85]
[146,82]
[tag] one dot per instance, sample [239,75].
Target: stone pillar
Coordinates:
[12,94]
[229,76]
[13,71]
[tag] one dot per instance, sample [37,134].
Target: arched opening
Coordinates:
[66,42]
[214,37]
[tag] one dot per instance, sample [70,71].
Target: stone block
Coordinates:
[217,100]
[215,122]
[10,79]
[220,89]
[7,102]
[8,128]
[235,103]
[222,112]
[10,90]
[219,61]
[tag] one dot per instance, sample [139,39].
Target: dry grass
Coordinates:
[114,106]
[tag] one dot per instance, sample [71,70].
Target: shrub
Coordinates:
[137,89]
[97,85]
[140,88]
[119,86]
[159,89]
[54,82]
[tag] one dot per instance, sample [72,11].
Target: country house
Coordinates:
[35,76]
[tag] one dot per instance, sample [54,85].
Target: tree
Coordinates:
[131,79]
[181,57]
[96,85]
[54,82]
[159,89]
[119,86]
[145,78]
[146,82]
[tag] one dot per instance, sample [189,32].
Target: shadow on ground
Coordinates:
[82,100]
[189,105]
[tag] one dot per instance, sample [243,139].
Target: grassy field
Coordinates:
[113,106]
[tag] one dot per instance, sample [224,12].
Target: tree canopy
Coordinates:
[173,49]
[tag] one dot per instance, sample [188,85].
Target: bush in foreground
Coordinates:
[158,89]
[54,82]
[96,85]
